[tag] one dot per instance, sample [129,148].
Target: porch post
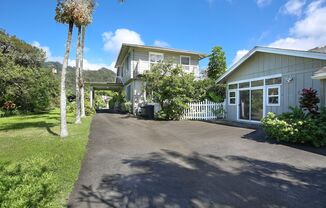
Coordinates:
[91,97]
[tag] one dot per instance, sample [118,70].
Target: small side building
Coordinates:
[271,80]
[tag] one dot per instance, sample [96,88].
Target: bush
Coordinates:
[71,107]
[297,127]
[9,108]
[30,183]
[88,109]
[126,107]
[309,100]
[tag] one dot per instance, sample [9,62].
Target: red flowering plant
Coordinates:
[309,101]
[9,106]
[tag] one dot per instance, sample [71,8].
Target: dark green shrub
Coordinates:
[71,107]
[88,109]
[30,183]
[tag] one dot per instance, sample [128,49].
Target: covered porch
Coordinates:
[93,86]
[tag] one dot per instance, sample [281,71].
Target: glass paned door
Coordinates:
[244,105]
[257,104]
[251,104]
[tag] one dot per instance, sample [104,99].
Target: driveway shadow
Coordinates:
[259,135]
[172,179]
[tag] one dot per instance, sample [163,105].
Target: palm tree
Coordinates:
[63,15]
[82,89]
[83,16]
[91,7]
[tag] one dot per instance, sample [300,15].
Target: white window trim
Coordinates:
[255,79]
[279,95]
[154,53]
[185,57]
[235,97]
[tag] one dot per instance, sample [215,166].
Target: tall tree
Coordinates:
[82,88]
[217,63]
[64,11]
[78,73]
[83,17]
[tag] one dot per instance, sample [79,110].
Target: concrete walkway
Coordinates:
[137,163]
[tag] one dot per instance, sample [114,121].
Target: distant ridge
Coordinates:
[101,75]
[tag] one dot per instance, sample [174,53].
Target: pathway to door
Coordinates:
[137,163]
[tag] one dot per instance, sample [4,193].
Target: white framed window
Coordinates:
[232,97]
[273,95]
[185,60]
[155,57]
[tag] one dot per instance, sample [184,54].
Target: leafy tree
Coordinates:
[30,89]
[171,87]
[217,63]
[20,52]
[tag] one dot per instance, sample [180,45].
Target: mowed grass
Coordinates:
[36,136]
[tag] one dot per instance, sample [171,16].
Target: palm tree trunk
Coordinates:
[63,119]
[78,53]
[82,90]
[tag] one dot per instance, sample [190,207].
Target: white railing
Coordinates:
[205,110]
[142,66]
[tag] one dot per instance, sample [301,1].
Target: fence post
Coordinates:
[224,108]
[206,109]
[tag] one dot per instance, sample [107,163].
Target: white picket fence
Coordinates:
[203,111]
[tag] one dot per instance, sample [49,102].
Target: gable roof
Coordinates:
[125,48]
[279,51]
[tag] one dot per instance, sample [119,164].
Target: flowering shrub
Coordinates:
[297,127]
[8,109]
[9,106]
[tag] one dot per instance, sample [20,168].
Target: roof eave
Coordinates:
[305,54]
[319,76]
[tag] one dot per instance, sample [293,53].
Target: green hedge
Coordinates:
[30,183]
[297,127]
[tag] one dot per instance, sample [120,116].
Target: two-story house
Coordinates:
[134,60]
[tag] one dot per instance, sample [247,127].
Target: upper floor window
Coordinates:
[185,60]
[156,57]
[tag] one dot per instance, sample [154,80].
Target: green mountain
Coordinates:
[101,75]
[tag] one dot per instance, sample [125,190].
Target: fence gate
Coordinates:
[205,110]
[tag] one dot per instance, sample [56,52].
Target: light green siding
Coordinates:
[267,64]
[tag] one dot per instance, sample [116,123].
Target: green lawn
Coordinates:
[36,136]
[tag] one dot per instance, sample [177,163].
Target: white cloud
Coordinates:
[87,64]
[309,31]
[47,51]
[239,55]
[293,7]
[160,43]
[113,40]
[263,3]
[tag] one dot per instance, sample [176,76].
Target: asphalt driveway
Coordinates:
[138,163]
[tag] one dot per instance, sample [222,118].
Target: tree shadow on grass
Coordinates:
[172,179]
[24,125]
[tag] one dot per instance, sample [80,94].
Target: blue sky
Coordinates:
[236,25]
